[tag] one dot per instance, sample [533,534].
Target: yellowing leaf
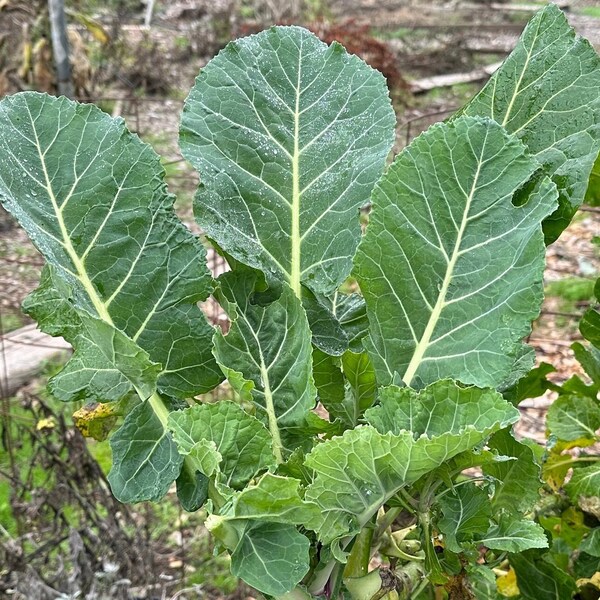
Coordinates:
[96,420]
[507,584]
[47,423]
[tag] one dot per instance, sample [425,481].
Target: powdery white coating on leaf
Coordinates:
[289,136]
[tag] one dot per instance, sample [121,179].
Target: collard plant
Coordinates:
[338,469]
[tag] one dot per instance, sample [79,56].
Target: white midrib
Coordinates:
[423,343]
[155,400]
[296,239]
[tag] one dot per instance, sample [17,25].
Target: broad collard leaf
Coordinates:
[466,513]
[222,437]
[358,472]
[92,197]
[267,354]
[514,534]
[451,269]
[573,417]
[546,92]
[289,136]
[145,461]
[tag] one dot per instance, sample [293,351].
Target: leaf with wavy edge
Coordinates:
[239,445]
[451,270]
[546,92]
[466,513]
[358,472]
[514,534]
[267,354]
[289,136]
[92,197]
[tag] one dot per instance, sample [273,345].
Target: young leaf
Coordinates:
[591,544]
[361,378]
[442,407]
[358,472]
[585,483]
[351,312]
[289,136]
[271,557]
[268,552]
[590,323]
[518,481]
[241,445]
[434,311]
[573,417]
[275,499]
[546,92]
[269,348]
[592,195]
[466,513]
[514,534]
[330,384]
[145,461]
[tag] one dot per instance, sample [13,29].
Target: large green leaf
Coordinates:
[359,471]
[92,197]
[238,443]
[289,136]
[450,267]
[546,92]
[267,354]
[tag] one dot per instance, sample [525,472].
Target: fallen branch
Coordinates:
[430,83]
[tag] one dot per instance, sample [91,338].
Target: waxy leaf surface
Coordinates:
[359,471]
[546,92]
[451,269]
[124,271]
[238,442]
[289,136]
[267,353]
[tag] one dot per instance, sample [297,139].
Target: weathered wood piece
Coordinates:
[430,83]
[23,353]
